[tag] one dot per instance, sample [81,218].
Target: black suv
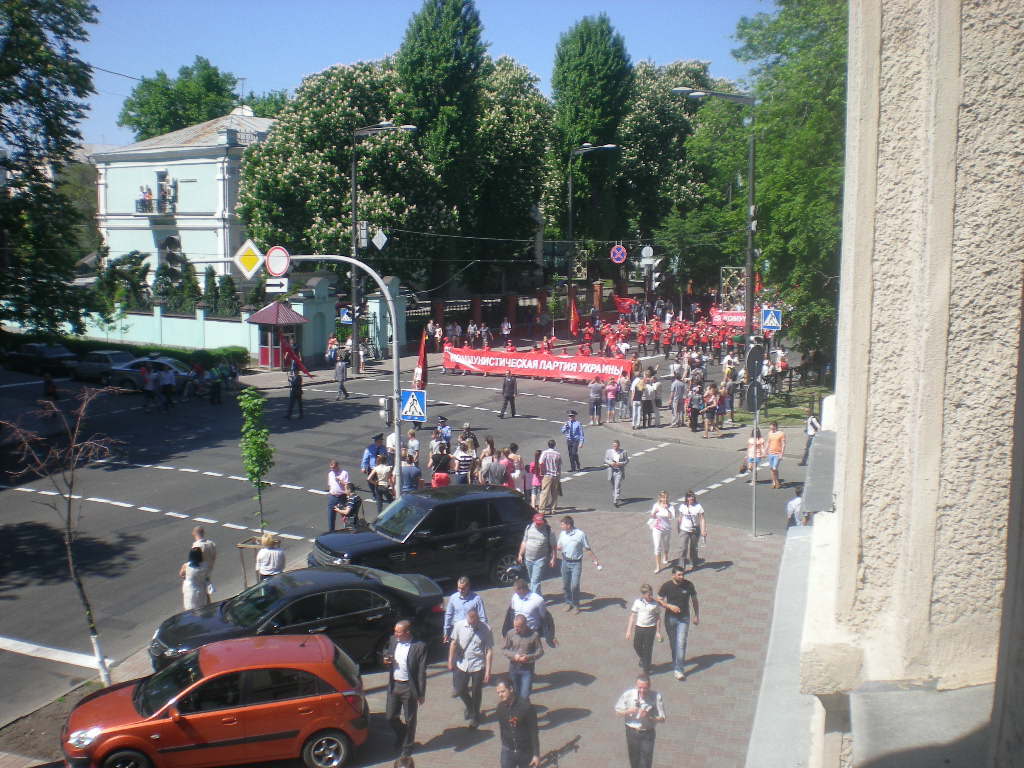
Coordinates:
[439,532]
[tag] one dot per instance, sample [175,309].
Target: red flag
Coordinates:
[419,374]
[758,287]
[574,318]
[288,356]
[623,306]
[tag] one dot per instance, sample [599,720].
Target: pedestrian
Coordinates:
[506,332]
[350,508]
[660,522]
[150,386]
[692,528]
[710,410]
[341,376]
[643,709]
[508,394]
[370,453]
[811,428]
[294,393]
[537,550]
[776,444]
[380,481]
[595,391]
[406,660]
[636,397]
[611,394]
[487,454]
[572,542]
[643,625]
[675,597]
[167,386]
[193,585]
[469,437]
[337,480]
[517,721]
[573,431]
[440,465]
[795,508]
[677,400]
[615,459]
[496,471]
[445,429]
[207,546]
[531,605]
[551,479]
[410,478]
[522,647]
[515,475]
[755,453]
[412,446]
[470,655]
[459,603]
[465,462]
[269,558]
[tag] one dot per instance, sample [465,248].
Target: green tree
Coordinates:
[163,283]
[43,87]
[227,297]
[798,55]
[211,291]
[591,84]
[161,104]
[124,281]
[267,104]
[77,182]
[187,292]
[256,450]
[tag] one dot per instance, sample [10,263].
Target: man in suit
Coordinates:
[406,660]
[616,460]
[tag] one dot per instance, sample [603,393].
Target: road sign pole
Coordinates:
[753,477]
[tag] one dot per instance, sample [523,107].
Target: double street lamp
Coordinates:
[748,271]
[583,149]
[384,126]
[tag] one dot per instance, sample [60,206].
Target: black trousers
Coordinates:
[574,455]
[470,687]
[643,644]
[640,745]
[402,704]
[292,401]
[509,402]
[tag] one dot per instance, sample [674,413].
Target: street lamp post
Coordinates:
[748,271]
[582,149]
[382,127]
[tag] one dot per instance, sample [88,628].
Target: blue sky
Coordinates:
[274,44]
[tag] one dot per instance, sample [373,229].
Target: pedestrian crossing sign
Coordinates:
[414,405]
[771,319]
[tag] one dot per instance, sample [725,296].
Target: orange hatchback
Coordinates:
[248,700]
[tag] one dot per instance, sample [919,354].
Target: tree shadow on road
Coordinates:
[33,553]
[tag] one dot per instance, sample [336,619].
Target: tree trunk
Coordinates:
[94,637]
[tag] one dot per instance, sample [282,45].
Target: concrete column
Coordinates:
[437,309]
[598,297]
[158,320]
[475,309]
[200,325]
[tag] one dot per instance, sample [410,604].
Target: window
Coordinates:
[473,515]
[302,611]
[266,685]
[440,522]
[219,693]
[512,510]
[344,601]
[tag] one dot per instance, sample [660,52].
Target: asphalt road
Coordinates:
[181,468]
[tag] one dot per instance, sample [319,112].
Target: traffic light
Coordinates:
[658,273]
[387,410]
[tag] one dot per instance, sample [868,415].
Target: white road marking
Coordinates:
[291,536]
[177,515]
[714,485]
[48,493]
[149,509]
[316,491]
[161,466]
[234,526]
[206,520]
[728,479]
[293,487]
[579,474]
[187,469]
[49,653]
[214,474]
[664,445]
[236,477]
[701,492]
[25,490]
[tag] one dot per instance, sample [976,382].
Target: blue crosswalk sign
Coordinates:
[414,405]
[771,319]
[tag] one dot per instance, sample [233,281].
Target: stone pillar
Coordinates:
[437,309]
[200,325]
[158,320]
[475,309]
[598,297]
[908,573]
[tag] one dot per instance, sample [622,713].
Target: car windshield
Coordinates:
[401,517]
[156,690]
[249,607]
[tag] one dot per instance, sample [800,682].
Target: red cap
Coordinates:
[538,518]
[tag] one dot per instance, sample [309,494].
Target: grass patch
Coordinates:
[791,413]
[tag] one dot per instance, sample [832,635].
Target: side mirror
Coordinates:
[174,714]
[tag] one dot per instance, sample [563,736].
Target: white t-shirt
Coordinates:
[795,508]
[689,518]
[646,613]
[401,661]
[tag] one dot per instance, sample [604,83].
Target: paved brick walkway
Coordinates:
[709,715]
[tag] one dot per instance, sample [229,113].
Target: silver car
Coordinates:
[129,375]
[96,366]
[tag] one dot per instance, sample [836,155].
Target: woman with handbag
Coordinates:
[660,522]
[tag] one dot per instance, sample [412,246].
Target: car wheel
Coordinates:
[499,569]
[128,384]
[327,749]
[127,758]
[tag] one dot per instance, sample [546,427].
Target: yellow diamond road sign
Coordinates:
[248,259]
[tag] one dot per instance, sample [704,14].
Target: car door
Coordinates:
[433,548]
[478,536]
[357,620]
[282,706]
[210,728]
[304,615]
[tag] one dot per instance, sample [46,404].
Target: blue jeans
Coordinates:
[677,630]
[535,568]
[522,680]
[571,570]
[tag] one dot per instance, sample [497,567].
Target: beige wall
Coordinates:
[909,577]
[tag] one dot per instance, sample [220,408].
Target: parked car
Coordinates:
[129,375]
[96,366]
[441,532]
[249,700]
[41,358]
[356,607]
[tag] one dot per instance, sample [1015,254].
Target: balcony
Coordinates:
[148,206]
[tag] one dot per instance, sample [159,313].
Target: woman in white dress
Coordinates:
[194,579]
[660,522]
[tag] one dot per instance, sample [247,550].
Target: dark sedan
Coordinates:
[442,532]
[37,358]
[356,607]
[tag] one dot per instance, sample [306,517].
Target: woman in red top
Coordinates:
[641,339]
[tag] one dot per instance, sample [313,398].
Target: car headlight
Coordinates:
[343,560]
[82,739]
[170,653]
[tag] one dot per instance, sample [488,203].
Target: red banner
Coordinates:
[728,317]
[623,305]
[579,368]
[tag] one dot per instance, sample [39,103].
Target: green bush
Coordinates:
[80,346]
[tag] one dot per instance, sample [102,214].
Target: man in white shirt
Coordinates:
[642,708]
[794,509]
[811,428]
[337,482]
[208,547]
[469,658]
[528,604]
[406,660]
[572,542]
